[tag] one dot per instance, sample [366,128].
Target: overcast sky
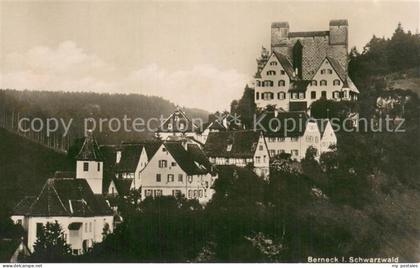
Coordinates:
[196,54]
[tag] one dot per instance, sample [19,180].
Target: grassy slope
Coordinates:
[24,167]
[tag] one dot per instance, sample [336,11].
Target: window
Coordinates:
[173,164]
[268,83]
[271,72]
[169,126]
[301,95]
[294,95]
[99,166]
[86,227]
[273,63]
[176,193]
[163,149]
[158,177]
[324,94]
[19,222]
[280,151]
[171,177]
[163,163]
[323,83]
[258,83]
[39,228]
[336,94]
[281,95]
[200,193]
[314,83]
[282,72]
[90,227]
[148,193]
[180,177]
[268,96]
[258,159]
[294,139]
[282,83]
[261,147]
[336,82]
[85,166]
[295,152]
[189,193]
[272,152]
[330,71]
[323,71]
[158,193]
[313,94]
[257,95]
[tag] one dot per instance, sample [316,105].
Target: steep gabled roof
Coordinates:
[130,157]
[123,186]
[23,206]
[178,121]
[66,197]
[191,161]
[90,149]
[338,69]
[285,63]
[285,124]
[232,144]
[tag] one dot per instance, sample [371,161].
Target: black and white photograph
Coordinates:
[209,132]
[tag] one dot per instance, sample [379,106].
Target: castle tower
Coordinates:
[279,34]
[338,41]
[89,164]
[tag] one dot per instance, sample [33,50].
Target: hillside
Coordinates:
[24,167]
[80,105]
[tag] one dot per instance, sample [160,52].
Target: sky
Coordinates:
[197,54]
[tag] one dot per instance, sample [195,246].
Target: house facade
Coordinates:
[241,148]
[303,67]
[82,215]
[178,168]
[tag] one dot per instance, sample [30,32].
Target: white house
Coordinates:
[294,132]
[82,215]
[240,148]
[178,168]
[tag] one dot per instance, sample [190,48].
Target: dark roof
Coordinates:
[64,174]
[123,186]
[23,206]
[308,34]
[242,144]
[109,155]
[322,125]
[192,161]
[287,66]
[297,106]
[229,171]
[286,124]
[341,22]
[130,156]
[90,149]
[176,120]
[67,197]
[299,85]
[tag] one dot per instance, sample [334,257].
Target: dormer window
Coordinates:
[271,72]
[282,83]
[323,71]
[273,63]
[336,82]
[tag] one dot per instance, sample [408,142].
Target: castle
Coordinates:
[303,67]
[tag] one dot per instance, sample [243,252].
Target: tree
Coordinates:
[50,245]
[245,107]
